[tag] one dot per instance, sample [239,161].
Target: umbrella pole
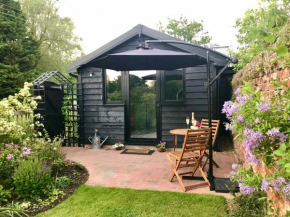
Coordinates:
[210,176]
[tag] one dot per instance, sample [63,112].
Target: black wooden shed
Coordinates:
[140,107]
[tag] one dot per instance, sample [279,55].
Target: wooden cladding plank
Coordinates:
[93,91]
[93,102]
[195,89]
[117,131]
[104,119]
[88,74]
[92,85]
[104,114]
[92,97]
[91,80]
[196,95]
[196,102]
[104,109]
[192,83]
[104,125]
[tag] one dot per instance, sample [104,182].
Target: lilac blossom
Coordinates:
[228,126]
[26,152]
[241,100]
[1,152]
[8,146]
[238,91]
[279,108]
[229,108]
[16,146]
[264,107]
[235,166]
[9,156]
[286,189]
[24,148]
[240,119]
[265,185]
[246,189]
[277,183]
[275,134]
[257,121]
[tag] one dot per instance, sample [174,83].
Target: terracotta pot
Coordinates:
[118,148]
[160,149]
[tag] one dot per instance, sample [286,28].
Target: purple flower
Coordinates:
[232,173]
[263,107]
[25,148]
[275,135]
[286,189]
[280,181]
[246,189]
[235,166]
[279,108]
[26,152]
[238,91]
[163,143]
[229,108]
[241,100]
[21,155]
[9,156]
[16,146]
[228,126]
[265,185]
[240,119]
[1,152]
[257,121]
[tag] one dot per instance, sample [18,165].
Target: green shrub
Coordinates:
[62,182]
[13,209]
[32,179]
[248,205]
[4,194]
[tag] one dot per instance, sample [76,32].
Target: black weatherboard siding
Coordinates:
[110,119]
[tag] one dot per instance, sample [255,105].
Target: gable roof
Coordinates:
[218,58]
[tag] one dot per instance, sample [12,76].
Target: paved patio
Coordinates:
[112,169]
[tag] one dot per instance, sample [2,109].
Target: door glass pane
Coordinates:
[173,90]
[143,104]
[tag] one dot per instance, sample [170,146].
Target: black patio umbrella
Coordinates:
[148,59]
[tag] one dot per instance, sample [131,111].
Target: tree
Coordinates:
[19,53]
[192,32]
[261,29]
[58,44]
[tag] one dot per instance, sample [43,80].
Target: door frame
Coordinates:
[126,94]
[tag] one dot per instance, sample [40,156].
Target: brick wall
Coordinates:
[261,72]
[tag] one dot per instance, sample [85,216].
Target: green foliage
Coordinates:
[262,29]
[253,205]
[19,53]
[32,179]
[55,34]
[62,182]
[4,195]
[13,210]
[276,116]
[189,31]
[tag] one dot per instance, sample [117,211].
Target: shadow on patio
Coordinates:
[111,169]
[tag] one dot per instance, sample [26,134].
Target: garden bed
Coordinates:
[78,175]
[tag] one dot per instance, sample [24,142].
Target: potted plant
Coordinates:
[118,145]
[161,146]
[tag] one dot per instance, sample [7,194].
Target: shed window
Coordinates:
[173,86]
[113,91]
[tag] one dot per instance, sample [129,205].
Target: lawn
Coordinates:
[102,201]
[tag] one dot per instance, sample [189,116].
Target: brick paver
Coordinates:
[112,169]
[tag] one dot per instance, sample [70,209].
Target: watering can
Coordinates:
[96,140]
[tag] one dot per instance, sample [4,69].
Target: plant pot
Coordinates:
[118,148]
[160,149]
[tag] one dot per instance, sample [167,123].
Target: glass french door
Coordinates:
[142,106]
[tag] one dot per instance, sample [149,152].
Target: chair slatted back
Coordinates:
[215,128]
[196,140]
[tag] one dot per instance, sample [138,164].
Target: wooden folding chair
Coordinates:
[195,140]
[214,130]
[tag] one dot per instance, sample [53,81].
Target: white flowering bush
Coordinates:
[118,145]
[21,144]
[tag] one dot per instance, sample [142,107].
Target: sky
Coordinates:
[99,21]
